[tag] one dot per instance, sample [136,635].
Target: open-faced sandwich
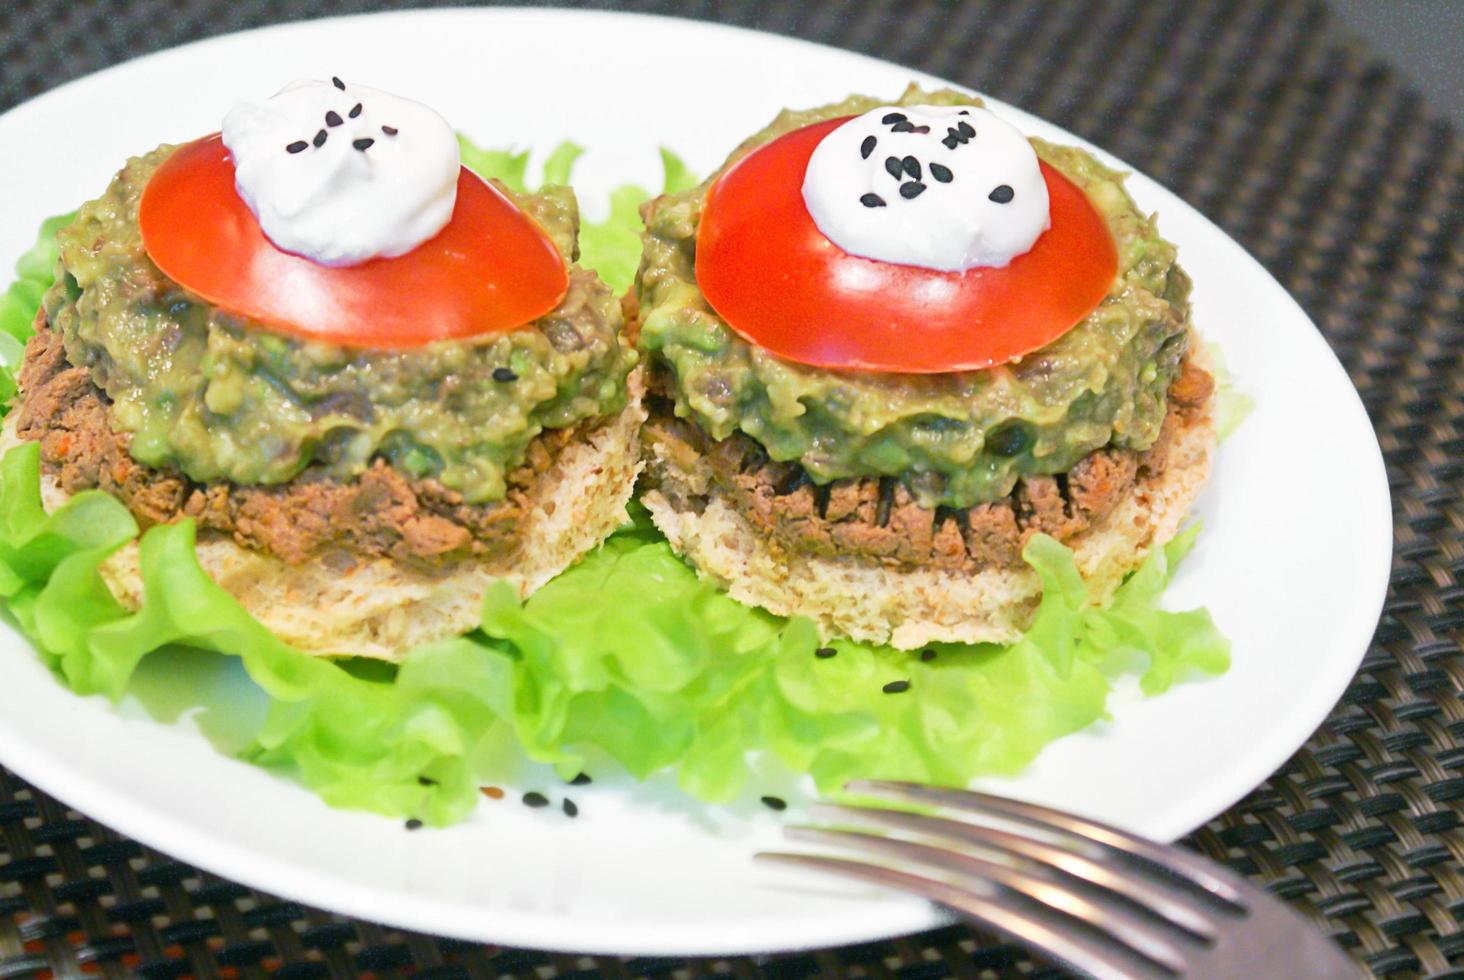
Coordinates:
[890,343]
[374,381]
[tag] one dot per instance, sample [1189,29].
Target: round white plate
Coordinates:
[1296,582]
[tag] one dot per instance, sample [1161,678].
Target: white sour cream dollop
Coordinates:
[944,187]
[342,174]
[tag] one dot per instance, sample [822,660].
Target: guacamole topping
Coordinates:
[954,439]
[217,397]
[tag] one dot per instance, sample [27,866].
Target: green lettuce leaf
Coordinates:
[1232,405]
[560,165]
[627,656]
[505,165]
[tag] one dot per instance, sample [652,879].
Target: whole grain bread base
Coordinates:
[382,608]
[910,607]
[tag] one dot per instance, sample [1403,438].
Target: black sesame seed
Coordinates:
[867,147]
[583,779]
[911,190]
[333,118]
[320,138]
[365,143]
[903,127]
[927,655]
[912,167]
[966,129]
[964,112]
[1003,194]
[338,83]
[872,201]
[535,800]
[896,687]
[922,130]
[824,653]
[355,110]
[893,167]
[414,824]
[426,781]
[297,147]
[504,374]
[941,172]
[389,130]
[894,117]
[951,142]
[775,803]
[570,809]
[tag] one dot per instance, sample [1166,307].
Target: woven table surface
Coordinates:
[1316,157]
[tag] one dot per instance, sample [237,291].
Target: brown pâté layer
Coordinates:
[382,512]
[878,519]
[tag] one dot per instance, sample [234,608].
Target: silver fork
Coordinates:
[1092,897]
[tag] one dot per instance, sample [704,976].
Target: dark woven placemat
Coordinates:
[1310,153]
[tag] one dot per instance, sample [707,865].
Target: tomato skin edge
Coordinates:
[490,270]
[780,283]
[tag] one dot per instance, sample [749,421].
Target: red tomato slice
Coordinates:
[778,281]
[490,270]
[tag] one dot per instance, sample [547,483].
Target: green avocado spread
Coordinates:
[955,439]
[220,398]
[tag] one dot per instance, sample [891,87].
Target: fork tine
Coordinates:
[1189,867]
[1180,910]
[1037,929]
[1141,936]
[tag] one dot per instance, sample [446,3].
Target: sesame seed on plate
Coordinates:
[535,800]
[896,687]
[775,803]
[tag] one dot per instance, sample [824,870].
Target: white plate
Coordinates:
[1296,580]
